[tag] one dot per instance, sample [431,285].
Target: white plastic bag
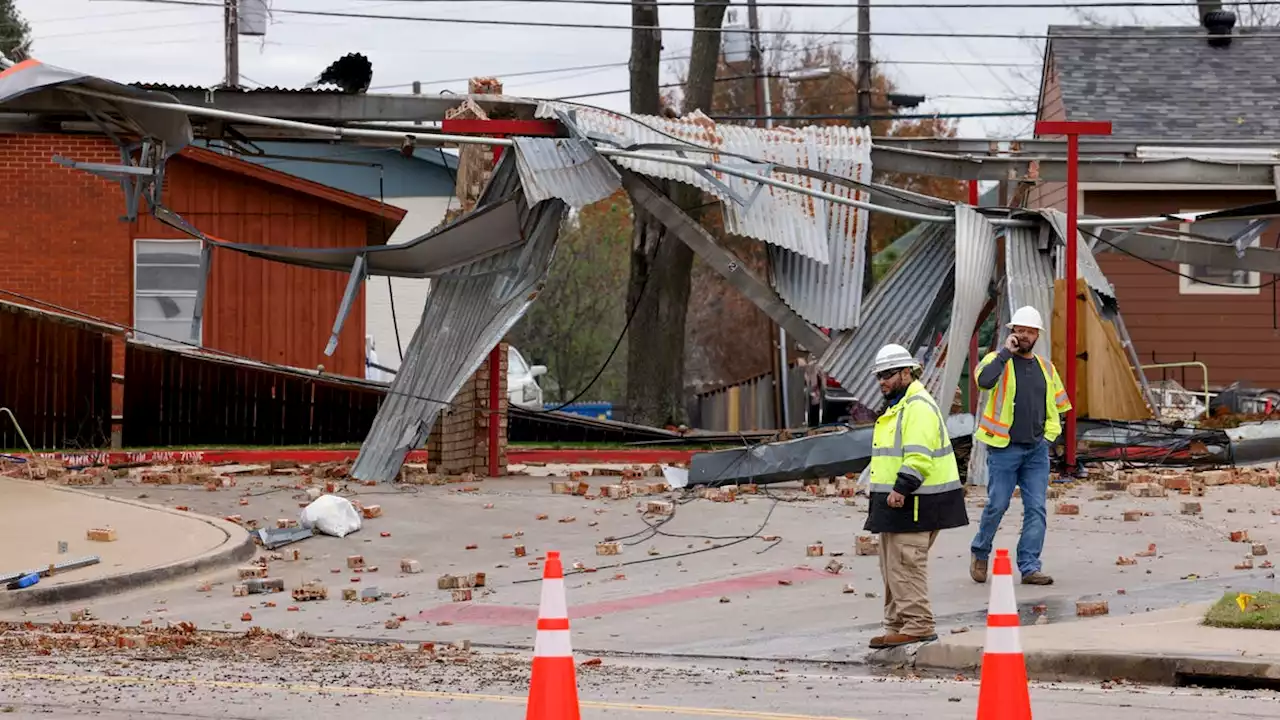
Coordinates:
[331,515]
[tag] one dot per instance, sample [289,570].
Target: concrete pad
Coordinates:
[149,538]
[703,583]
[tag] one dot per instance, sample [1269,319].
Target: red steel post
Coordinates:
[1073,131]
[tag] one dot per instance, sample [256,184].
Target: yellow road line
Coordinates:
[397,692]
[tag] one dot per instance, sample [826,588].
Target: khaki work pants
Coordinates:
[904,563]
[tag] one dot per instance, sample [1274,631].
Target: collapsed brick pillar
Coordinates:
[459,442]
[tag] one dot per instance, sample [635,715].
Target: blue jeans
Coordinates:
[1016,466]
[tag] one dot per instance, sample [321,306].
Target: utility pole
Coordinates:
[231,13]
[777,336]
[864,113]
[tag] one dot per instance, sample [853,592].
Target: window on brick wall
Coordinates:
[166,279]
[1218,281]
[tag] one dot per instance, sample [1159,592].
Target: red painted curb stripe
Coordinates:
[513,615]
[516,457]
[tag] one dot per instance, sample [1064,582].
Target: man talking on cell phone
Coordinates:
[1018,424]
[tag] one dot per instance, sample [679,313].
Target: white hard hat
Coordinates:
[893,357]
[1027,316]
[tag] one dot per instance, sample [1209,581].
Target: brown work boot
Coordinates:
[1037,578]
[877,642]
[898,640]
[978,570]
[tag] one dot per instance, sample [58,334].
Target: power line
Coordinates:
[490,22]
[825,5]
[854,117]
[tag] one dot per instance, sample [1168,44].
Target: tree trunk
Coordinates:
[661,265]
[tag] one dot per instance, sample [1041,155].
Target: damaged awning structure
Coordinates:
[805,193]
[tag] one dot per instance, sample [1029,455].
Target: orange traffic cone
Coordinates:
[1004,694]
[553,690]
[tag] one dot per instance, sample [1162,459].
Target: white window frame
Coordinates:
[142,334]
[1188,286]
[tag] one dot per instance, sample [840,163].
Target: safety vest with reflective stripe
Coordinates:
[997,414]
[911,438]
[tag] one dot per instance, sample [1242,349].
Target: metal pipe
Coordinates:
[30,472]
[1204,369]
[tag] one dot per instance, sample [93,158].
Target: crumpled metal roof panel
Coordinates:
[975,265]
[785,219]
[565,168]
[1029,279]
[896,310]
[467,313]
[1086,264]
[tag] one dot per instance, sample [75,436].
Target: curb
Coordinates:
[237,547]
[1066,665]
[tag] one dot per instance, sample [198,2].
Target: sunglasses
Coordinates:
[886,374]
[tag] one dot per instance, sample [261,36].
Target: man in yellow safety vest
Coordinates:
[1018,424]
[915,493]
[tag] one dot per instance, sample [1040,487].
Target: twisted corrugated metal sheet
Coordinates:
[565,168]
[1087,266]
[785,219]
[467,313]
[1029,279]
[975,264]
[896,310]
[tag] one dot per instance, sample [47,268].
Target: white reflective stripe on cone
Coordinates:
[1003,601]
[552,644]
[554,605]
[1003,641]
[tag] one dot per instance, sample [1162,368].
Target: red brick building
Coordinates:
[1169,94]
[63,242]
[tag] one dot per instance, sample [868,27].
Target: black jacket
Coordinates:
[937,512]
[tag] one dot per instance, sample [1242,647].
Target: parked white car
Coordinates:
[522,381]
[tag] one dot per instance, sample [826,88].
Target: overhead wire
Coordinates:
[794,4]
[1171,271]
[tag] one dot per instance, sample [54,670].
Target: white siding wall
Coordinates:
[425,213]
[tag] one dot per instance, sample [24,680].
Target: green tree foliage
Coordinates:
[579,315]
[15,33]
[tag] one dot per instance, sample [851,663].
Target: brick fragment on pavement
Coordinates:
[252,571]
[246,617]
[350,594]
[1146,490]
[1094,608]
[542,516]
[355,561]
[568,519]
[105,534]
[384,533]
[815,550]
[410,567]
[1246,564]
[239,590]
[834,567]
[1066,509]
[519,551]
[608,548]
[1239,536]
[451,582]
[1122,560]
[392,624]
[1191,508]
[1132,515]
[244,501]
[462,595]
[659,507]
[866,545]
[1177,483]
[1213,478]
[370,512]
[311,591]
[1259,550]
[849,589]
[1149,552]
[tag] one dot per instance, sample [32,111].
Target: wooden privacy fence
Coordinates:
[174,398]
[55,377]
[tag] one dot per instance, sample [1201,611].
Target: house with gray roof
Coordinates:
[1209,92]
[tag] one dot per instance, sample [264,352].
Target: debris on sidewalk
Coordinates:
[331,515]
[1259,550]
[815,550]
[252,571]
[1149,552]
[104,534]
[370,512]
[1122,560]
[451,582]
[1085,608]
[834,566]
[1066,509]
[311,591]
[608,548]
[410,567]
[867,545]
[1191,508]
[355,562]
[1239,536]
[1132,515]
[272,538]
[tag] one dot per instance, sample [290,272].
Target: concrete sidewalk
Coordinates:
[154,543]
[1168,647]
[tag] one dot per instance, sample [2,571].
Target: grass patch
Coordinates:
[1261,613]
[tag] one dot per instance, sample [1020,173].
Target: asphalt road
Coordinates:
[156,686]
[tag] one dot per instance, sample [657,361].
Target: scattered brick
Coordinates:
[183,508]
[392,624]
[659,507]
[410,567]
[1132,515]
[815,550]
[1191,508]
[1246,564]
[384,533]
[1066,509]
[463,595]
[1176,483]
[1259,549]
[1149,552]
[101,534]
[239,590]
[849,589]
[76,479]
[616,492]
[568,519]
[866,545]
[542,516]
[1214,478]
[310,591]
[834,567]
[608,548]
[133,641]
[350,594]
[355,561]
[560,487]
[1146,490]
[1122,560]
[244,501]
[519,551]
[472,546]
[370,512]
[1092,608]
[252,571]
[246,617]
[1239,536]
